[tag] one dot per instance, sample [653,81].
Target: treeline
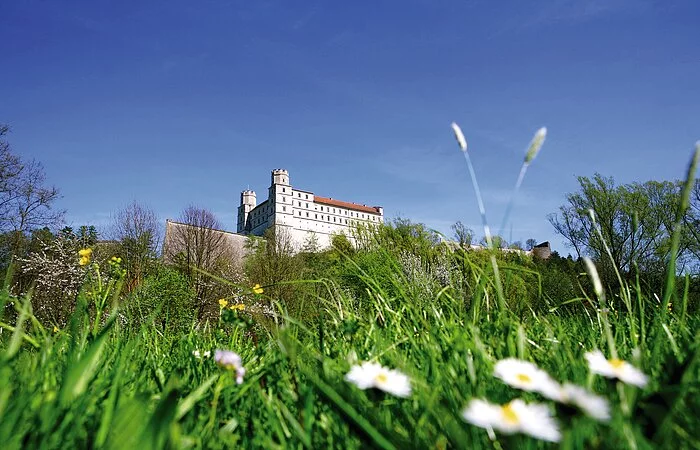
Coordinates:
[626,229]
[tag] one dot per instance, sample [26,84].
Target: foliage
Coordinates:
[462,234]
[136,229]
[134,375]
[26,203]
[165,301]
[635,221]
[199,248]
[157,388]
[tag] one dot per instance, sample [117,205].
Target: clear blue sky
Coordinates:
[172,103]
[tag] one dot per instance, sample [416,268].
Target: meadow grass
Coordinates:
[101,383]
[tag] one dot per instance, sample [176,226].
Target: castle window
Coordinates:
[299,203]
[284,190]
[307,214]
[307,205]
[333,219]
[284,199]
[307,196]
[346,221]
[298,195]
[300,213]
[284,208]
[315,216]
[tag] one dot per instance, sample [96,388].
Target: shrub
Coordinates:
[165,298]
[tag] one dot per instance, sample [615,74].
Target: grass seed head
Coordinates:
[535,145]
[460,137]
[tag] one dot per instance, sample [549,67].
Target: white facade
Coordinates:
[301,213]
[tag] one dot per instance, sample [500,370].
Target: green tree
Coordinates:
[634,221]
[462,234]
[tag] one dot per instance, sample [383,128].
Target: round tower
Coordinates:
[248,198]
[248,202]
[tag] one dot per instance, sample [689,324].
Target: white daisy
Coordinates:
[615,368]
[199,355]
[459,136]
[593,405]
[517,416]
[527,376]
[374,375]
[230,361]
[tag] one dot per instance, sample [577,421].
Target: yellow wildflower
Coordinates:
[238,306]
[55,329]
[85,255]
[223,302]
[257,289]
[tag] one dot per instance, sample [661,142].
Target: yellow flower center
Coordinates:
[509,415]
[616,363]
[381,378]
[523,378]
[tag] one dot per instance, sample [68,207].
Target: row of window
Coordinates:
[336,211]
[298,194]
[328,218]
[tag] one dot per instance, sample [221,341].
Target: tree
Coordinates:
[530,244]
[272,263]
[692,225]
[25,202]
[198,246]
[462,234]
[311,244]
[634,221]
[498,241]
[50,271]
[136,228]
[517,245]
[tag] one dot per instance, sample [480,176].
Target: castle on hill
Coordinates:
[302,214]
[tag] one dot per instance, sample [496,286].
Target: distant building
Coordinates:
[179,235]
[543,250]
[302,214]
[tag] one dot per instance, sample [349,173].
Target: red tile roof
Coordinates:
[348,205]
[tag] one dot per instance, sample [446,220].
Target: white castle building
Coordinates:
[302,214]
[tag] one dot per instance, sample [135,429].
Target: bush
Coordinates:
[165,298]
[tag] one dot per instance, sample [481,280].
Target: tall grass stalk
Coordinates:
[530,155]
[482,211]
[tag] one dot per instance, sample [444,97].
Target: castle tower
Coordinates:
[280,176]
[248,202]
[282,198]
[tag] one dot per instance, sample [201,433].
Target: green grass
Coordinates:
[125,388]
[101,382]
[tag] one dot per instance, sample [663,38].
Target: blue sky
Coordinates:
[173,103]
